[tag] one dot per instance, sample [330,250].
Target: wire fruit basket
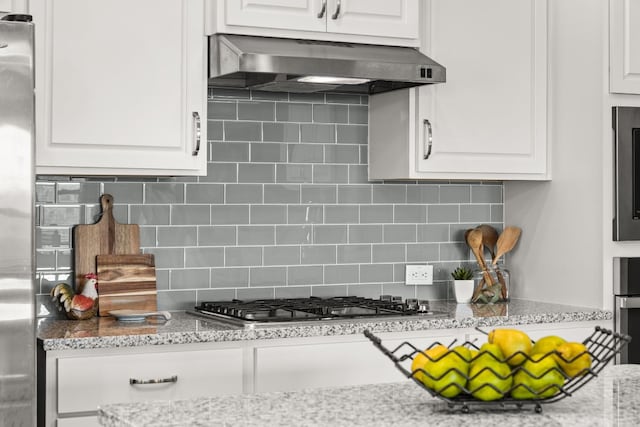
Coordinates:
[515,388]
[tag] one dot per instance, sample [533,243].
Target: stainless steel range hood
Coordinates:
[291,65]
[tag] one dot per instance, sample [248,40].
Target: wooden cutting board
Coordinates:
[126,282]
[104,237]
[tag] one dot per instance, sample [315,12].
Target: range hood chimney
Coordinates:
[292,65]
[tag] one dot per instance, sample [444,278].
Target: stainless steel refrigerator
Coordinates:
[17,296]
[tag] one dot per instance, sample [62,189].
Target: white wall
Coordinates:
[560,254]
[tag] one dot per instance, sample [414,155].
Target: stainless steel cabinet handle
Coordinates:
[428,139]
[628,302]
[323,10]
[173,379]
[337,12]
[196,133]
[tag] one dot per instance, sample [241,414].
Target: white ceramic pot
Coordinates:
[463,290]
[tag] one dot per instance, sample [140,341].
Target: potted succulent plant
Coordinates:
[463,284]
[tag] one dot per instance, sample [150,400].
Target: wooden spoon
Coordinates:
[474,240]
[489,237]
[507,240]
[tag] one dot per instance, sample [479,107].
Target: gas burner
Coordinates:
[285,310]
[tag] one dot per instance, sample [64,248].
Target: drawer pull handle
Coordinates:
[173,379]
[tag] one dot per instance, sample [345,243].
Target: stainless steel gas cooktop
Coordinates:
[286,310]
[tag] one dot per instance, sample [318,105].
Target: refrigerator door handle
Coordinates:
[628,302]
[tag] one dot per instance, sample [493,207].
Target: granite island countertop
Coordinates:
[185,328]
[611,399]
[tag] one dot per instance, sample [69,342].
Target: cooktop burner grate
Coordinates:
[313,308]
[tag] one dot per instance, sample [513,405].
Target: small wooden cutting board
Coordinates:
[104,237]
[126,282]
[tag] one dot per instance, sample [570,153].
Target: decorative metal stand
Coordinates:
[602,346]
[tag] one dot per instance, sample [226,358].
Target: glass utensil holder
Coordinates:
[499,274]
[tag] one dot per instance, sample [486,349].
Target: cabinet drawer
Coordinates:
[287,368]
[84,383]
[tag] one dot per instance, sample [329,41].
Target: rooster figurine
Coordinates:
[77,306]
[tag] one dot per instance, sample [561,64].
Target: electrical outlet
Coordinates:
[418,274]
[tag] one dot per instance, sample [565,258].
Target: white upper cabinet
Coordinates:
[121,87]
[624,49]
[380,21]
[13,6]
[489,120]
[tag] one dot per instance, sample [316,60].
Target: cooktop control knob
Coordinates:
[412,304]
[423,306]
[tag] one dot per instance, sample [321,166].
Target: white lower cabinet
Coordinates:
[78,384]
[296,367]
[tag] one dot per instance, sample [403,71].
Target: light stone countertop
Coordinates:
[185,328]
[611,399]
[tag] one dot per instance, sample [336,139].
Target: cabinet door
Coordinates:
[13,6]
[489,117]
[285,368]
[624,39]
[302,15]
[83,383]
[121,86]
[390,18]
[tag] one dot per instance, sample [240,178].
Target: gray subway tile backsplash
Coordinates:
[285,210]
[204,193]
[190,214]
[263,111]
[230,151]
[243,193]
[330,113]
[268,152]
[341,154]
[204,257]
[223,110]
[305,153]
[318,193]
[256,235]
[338,274]
[280,132]
[293,112]
[242,131]
[318,133]
[230,277]
[352,134]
